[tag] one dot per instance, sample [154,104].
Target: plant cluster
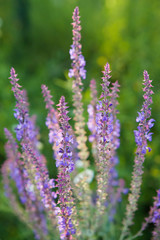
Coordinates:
[66,207]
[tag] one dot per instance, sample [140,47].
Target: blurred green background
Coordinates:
[35,37]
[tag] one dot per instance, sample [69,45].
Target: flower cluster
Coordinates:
[79,60]
[82,202]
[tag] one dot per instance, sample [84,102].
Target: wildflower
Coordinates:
[142,134]
[65,167]
[104,123]
[32,159]
[108,132]
[78,72]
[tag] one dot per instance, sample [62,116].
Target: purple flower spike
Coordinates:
[35,173]
[76,56]
[52,120]
[21,111]
[66,211]
[78,73]
[142,134]
[116,186]
[107,138]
